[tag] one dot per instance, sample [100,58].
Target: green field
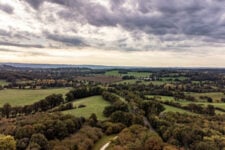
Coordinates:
[133,81]
[161,98]
[135,74]
[3,82]
[25,97]
[175,109]
[94,104]
[174,78]
[216,96]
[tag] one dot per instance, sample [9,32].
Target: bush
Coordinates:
[81,106]
[7,142]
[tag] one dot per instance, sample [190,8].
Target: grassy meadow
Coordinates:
[135,74]
[216,96]
[184,102]
[175,109]
[18,97]
[94,104]
[3,82]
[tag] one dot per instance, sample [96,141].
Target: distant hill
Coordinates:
[43,66]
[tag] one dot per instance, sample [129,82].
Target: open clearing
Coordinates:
[133,81]
[175,109]
[184,102]
[135,74]
[18,97]
[100,78]
[216,96]
[94,104]
[3,82]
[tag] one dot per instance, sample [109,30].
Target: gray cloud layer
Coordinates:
[6,8]
[192,17]
[151,24]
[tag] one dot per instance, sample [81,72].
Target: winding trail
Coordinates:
[147,124]
[107,144]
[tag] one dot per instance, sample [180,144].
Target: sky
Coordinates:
[152,33]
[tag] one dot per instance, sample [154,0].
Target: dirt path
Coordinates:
[147,123]
[107,144]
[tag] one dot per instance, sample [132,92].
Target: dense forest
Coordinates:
[149,109]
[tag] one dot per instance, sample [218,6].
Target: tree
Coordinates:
[6,110]
[209,99]
[7,142]
[40,140]
[210,110]
[24,132]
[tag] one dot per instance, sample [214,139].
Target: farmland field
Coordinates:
[173,78]
[94,104]
[184,102]
[135,74]
[100,78]
[174,109]
[3,82]
[105,139]
[133,81]
[216,96]
[25,97]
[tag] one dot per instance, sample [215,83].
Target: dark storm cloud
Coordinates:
[5,33]
[20,45]
[69,40]
[35,3]
[6,8]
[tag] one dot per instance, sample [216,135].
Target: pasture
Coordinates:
[216,96]
[100,78]
[133,73]
[185,103]
[94,104]
[3,82]
[17,97]
[175,109]
[133,81]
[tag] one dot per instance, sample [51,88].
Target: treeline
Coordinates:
[116,104]
[119,112]
[190,131]
[138,137]
[11,74]
[192,107]
[36,131]
[83,92]
[48,103]
[82,140]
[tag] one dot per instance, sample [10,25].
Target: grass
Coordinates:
[216,96]
[105,139]
[135,74]
[94,104]
[113,73]
[184,102]
[175,109]
[133,81]
[138,74]
[162,98]
[3,82]
[174,78]
[18,97]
